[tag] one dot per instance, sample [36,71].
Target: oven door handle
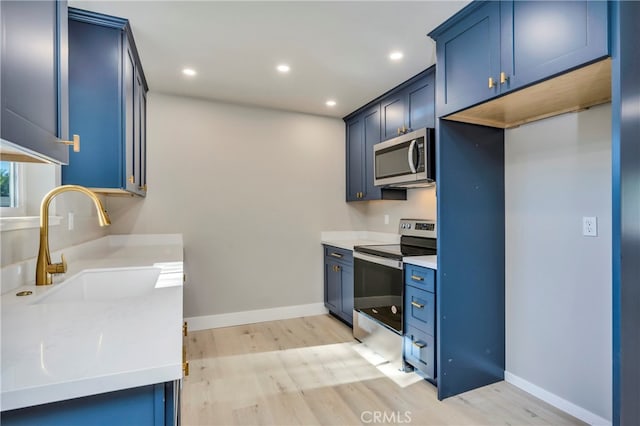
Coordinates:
[396,264]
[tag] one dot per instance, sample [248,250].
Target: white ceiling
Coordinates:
[336,50]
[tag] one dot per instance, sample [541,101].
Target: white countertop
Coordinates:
[349,239]
[57,351]
[430,262]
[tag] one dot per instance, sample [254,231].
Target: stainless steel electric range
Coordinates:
[378,287]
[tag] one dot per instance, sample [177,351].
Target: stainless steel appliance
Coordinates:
[378,284]
[406,161]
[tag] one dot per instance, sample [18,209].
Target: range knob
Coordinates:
[408,226]
[403,225]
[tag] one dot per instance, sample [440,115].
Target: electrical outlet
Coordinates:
[386,219]
[590,226]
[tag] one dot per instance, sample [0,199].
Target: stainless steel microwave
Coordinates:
[406,161]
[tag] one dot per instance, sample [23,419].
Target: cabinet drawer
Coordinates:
[419,351]
[420,277]
[338,254]
[419,309]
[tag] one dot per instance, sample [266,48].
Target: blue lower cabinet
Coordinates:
[420,309]
[152,405]
[419,351]
[338,283]
[420,320]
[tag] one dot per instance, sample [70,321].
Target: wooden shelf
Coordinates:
[573,91]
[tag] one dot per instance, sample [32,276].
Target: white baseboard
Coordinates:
[556,401]
[259,315]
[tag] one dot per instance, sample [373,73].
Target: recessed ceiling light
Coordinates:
[395,56]
[283,68]
[188,71]
[330,103]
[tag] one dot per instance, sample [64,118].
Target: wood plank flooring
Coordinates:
[304,371]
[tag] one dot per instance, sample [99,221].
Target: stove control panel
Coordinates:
[418,227]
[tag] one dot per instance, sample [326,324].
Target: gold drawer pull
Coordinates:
[185,331]
[419,345]
[413,303]
[75,142]
[132,179]
[503,77]
[492,83]
[336,268]
[338,255]
[416,278]
[185,368]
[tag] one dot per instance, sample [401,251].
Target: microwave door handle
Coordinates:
[412,147]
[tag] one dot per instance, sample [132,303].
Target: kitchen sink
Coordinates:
[104,285]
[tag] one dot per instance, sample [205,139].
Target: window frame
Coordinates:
[18,193]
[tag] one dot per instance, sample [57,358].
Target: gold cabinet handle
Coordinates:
[132,179]
[185,330]
[416,278]
[399,131]
[413,303]
[335,268]
[185,363]
[334,254]
[492,83]
[419,345]
[75,142]
[143,187]
[503,77]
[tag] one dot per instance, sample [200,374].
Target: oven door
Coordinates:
[377,289]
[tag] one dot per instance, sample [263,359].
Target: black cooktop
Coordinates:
[409,246]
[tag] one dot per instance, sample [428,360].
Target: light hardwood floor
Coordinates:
[305,371]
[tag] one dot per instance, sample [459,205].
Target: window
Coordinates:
[11,189]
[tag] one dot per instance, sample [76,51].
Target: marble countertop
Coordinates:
[430,262]
[57,351]
[349,239]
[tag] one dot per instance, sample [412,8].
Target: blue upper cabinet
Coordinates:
[468,58]
[407,107]
[107,91]
[491,48]
[34,90]
[541,39]
[411,107]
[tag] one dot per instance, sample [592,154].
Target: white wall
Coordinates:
[558,282]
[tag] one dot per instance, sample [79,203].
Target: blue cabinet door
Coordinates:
[108,108]
[355,158]
[95,75]
[468,55]
[34,88]
[151,405]
[371,133]
[541,39]
[420,103]
[332,286]
[393,115]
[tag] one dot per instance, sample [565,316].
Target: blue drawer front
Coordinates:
[419,308]
[420,277]
[419,351]
[338,254]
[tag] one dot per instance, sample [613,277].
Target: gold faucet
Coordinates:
[44,267]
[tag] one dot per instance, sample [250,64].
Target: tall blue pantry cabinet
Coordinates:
[108,101]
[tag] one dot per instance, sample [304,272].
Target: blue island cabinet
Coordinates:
[491,48]
[34,66]
[152,405]
[107,92]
